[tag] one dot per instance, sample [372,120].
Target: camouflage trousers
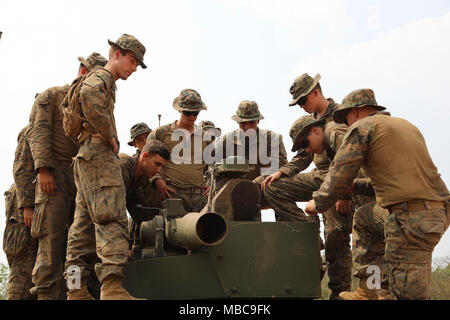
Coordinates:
[20,249]
[368,243]
[98,237]
[411,236]
[53,215]
[282,196]
[193,200]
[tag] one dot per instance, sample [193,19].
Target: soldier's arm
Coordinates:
[24,173]
[40,130]
[343,170]
[94,104]
[300,162]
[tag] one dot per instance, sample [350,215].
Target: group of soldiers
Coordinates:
[67,210]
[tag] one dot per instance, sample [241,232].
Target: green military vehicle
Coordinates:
[224,251]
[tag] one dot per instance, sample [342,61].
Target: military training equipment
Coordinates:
[223,251]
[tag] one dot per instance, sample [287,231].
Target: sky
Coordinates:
[231,51]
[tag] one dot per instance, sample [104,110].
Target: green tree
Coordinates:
[4,273]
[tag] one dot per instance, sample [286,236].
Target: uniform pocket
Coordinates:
[16,238]
[109,204]
[38,225]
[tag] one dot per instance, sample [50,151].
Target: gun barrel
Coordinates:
[196,230]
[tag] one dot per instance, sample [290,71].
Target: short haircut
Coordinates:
[153,147]
[113,49]
[318,87]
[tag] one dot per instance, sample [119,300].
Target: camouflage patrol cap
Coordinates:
[130,43]
[356,99]
[247,111]
[299,127]
[137,129]
[189,100]
[302,86]
[95,59]
[206,124]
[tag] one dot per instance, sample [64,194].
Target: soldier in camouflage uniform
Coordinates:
[182,177]
[52,152]
[410,187]
[100,222]
[19,246]
[138,136]
[249,139]
[289,185]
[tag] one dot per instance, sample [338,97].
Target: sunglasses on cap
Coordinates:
[191,113]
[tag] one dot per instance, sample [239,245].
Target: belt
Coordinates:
[417,205]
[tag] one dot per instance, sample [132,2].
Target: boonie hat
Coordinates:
[356,99]
[130,43]
[302,86]
[247,111]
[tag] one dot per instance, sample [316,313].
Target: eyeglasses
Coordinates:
[191,113]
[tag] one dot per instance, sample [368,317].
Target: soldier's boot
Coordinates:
[384,294]
[362,293]
[112,289]
[80,294]
[45,296]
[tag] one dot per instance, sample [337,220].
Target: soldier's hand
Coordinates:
[310,208]
[28,213]
[343,206]
[206,188]
[271,179]
[163,189]
[113,142]
[46,181]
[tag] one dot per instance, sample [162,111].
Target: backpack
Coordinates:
[70,108]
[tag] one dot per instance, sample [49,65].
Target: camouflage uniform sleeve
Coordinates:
[40,129]
[334,135]
[364,187]
[344,168]
[94,104]
[300,162]
[23,172]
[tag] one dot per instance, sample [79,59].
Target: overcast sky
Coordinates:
[230,51]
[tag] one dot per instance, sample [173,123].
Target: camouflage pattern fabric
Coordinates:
[20,249]
[356,99]
[368,241]
[283,194]
[100,221]
[410,240]
[240,140]
[94,59]
[45,133]
[410,235]
[97,97]
[302,86]
[24,172]
[53,215]
[189,100]
[137,129]
[130,43]
[247,111]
